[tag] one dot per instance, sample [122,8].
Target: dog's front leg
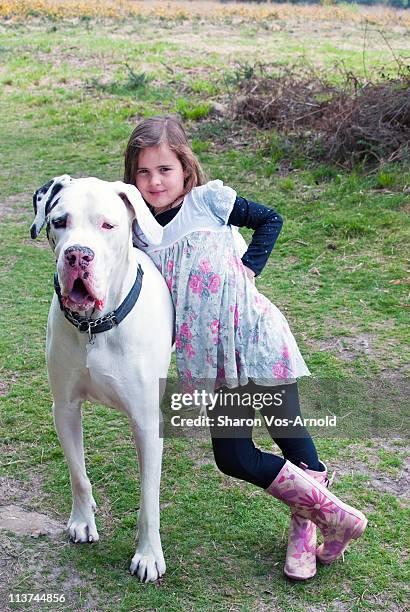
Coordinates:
[148,562]
[68,423]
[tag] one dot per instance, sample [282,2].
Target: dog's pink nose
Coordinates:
[78,256]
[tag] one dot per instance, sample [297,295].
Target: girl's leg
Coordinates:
[236,455]
[300,562]
[299,448]
[234,451]
[302,490]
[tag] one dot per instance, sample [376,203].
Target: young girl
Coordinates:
[231,336]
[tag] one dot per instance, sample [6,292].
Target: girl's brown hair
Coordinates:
[154,131]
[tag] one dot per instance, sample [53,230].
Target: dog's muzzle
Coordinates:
[79,292]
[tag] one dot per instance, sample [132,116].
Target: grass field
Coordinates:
[74,79]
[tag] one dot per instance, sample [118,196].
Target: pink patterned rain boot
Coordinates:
[338,522]
[300,561]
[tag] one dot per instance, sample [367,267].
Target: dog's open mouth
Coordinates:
[79,298]
[79,293]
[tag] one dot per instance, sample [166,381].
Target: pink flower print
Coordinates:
[220,373]
[317,503]
[335,547]
[170,266]
[310,533]
[195,283]
[285,352]
[205,266]
[236,316]
[304,536]
[235,311]
[185,331]
[214,325]
[347,536]
[189,350]
[288,494]
[178,342]
[280,370]
[214,283]
[299,548]
[169,283]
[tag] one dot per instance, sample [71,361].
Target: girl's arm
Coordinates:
[267,224]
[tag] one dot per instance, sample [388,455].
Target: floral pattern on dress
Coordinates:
[226,332]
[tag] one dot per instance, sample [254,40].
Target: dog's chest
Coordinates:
[104,369]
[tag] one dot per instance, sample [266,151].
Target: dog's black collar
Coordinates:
[108,321]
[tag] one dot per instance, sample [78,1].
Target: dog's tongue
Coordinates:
[79,298]
[78,293]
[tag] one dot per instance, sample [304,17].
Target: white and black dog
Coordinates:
[109,338]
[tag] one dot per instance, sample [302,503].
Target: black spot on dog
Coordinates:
[48,230]
[45,187]
[54,204]
[86,275]
[39,193]
[35,203]
[55,190]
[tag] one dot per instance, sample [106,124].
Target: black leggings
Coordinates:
[234,451]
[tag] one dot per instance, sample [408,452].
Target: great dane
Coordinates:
[109,338]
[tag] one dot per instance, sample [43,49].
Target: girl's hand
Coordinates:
[250,274]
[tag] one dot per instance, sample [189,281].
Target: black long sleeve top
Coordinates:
[266,222]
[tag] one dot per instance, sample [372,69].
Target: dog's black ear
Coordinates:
[43,201]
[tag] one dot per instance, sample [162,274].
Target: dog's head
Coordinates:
[88,224]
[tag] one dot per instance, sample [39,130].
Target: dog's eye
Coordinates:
[107,226]
[60,222]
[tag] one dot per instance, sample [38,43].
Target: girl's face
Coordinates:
[159,176]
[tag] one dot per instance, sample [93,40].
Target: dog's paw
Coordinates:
[147,565]
[81,532]
[82,527]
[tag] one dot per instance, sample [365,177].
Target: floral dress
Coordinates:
[226,332]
